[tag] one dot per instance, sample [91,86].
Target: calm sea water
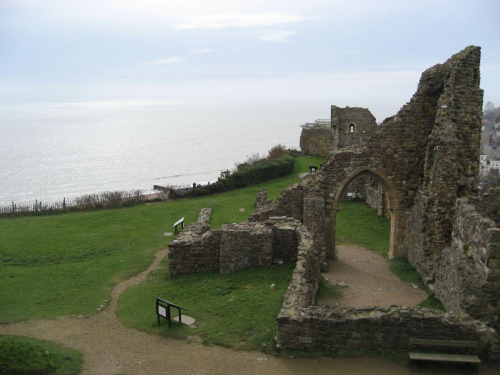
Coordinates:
[53,151]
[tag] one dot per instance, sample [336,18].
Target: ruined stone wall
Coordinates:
[262,203]
[316,140]
[289,204]
[195,249]
[303,326]
[468,272]
[304,285]
[233,247]
[362,121]
[428,149]
[285,239]
[245,245]
[377,328]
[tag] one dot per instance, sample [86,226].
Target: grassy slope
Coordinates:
[67,264]
[23,355]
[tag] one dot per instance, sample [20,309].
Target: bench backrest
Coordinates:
[450,343]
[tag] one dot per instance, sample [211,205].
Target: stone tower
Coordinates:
[351,126]
[348,126]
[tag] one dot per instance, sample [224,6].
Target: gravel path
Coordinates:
[110,348]
[368,281]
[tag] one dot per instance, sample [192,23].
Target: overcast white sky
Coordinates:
[367,53]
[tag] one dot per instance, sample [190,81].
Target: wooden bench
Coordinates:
[469,347]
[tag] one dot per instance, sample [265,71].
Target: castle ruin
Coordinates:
[426,158]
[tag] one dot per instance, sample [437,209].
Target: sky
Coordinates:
[367,53]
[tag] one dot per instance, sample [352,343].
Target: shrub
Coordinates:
[276,152]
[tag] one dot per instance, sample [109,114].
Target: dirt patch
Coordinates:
[109,348]
[368,281]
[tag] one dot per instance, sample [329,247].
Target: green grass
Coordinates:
[358,224]
[23,355]
[432,302]
[327,289]
[406,272]
[67,264]
[237,310]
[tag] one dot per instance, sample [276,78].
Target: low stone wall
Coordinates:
[377,328]
[468,272]
[303,326]
[234,247]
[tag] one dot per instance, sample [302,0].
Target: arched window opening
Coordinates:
[351,128]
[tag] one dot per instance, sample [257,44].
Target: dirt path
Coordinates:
[110,348]
[368,280]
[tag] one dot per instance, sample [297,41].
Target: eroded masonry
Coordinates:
[426,161]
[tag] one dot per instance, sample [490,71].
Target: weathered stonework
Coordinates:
[196,248]
[316,140]
[303,326]
[245,245]
[468,272]
[348,126]
[426,159]
[351,126]
[377,328]
[234,247]
[429,149]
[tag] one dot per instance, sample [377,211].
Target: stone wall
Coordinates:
[285,240]
[429,150]
[351,126]
[316,140]
[196,248]
[377,328]
[233,247]
[245,245]
[288,204]
[468,272]
[303,326]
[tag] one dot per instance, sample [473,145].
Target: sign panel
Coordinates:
[162,311]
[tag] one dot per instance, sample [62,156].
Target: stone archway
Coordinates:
[398,216]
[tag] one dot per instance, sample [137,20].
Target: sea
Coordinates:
[55,151]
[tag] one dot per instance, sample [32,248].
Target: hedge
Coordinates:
[248,175]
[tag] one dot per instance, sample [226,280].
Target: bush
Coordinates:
[276,152]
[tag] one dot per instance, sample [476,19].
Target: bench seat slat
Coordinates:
[445,357]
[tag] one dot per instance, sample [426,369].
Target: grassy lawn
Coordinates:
[23,355]
[237,310]
[358,224]
[67,264]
